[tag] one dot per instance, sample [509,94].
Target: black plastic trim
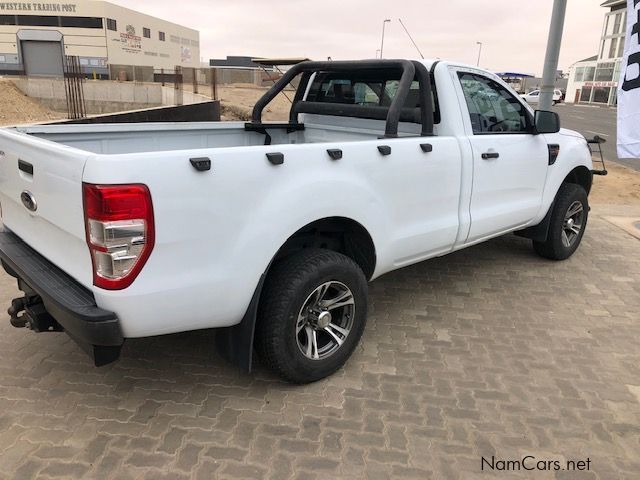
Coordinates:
[334,153]
[384,149]
[554,151]
[26,167]
[201,164]
[235,343]
[71,304]
[539,232]
[275,158]
[426,147]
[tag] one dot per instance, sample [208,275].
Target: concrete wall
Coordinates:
[171,97]
[105,96]
[238,75]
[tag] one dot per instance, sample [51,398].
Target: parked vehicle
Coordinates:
[271,231]
[534,97]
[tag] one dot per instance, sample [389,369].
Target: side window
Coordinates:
[492,108]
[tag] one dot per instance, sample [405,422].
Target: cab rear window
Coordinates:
[374,88]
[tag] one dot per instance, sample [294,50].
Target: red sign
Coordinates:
[600,84]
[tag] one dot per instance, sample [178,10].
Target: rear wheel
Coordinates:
[568,223]
[312,314]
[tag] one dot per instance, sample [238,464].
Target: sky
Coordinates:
[513,33]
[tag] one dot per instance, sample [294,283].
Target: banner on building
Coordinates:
[629,87]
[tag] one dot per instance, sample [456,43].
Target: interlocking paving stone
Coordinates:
[490,351]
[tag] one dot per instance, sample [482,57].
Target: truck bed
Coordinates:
[110,139]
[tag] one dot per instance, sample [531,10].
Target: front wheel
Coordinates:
[312,314]
[568,223]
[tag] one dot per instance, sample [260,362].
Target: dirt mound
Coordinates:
[16,108]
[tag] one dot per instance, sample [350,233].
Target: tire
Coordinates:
[565,236]
[293,311]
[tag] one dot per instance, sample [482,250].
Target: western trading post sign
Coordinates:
[629,87]
[37,7]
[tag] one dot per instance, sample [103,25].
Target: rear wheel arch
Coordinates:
[339,234]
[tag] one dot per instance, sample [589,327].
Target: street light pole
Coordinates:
[479,53]
[382,42]
[553,52]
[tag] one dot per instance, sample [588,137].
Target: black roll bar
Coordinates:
[394,112]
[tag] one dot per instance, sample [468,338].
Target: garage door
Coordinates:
[42,58]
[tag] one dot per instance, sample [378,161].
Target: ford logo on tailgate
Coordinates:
[29,201]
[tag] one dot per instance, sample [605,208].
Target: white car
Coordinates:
[272,231]
[534,96]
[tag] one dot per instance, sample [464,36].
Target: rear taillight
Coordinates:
[120,232]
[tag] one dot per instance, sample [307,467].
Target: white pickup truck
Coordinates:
[270,232]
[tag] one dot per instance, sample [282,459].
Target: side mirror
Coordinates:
[546,122]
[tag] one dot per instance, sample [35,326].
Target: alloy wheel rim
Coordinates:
[325,320]
[573,221]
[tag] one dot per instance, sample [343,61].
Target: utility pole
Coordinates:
[382,43]
[553,52]
[479,53]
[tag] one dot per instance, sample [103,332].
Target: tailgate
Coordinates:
[41,199]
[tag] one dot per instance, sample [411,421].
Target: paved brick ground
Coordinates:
[490,351]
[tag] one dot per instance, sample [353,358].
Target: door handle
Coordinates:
[489,155]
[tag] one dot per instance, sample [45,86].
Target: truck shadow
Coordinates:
[172,366]
[419,286]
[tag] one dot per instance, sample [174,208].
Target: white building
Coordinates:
[595,79]
[107,38]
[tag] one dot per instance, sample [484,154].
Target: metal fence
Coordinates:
[74,88]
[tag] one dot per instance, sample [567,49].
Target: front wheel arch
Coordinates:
[581,176]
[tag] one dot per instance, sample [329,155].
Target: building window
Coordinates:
[606,26]
[621,47]
[81,22]
[112,25]
[585,94]
[146,33]
[38,20]
[579,74]
[601,94]
[589,74]
[51,21]
[616,23]
[613,47]
[161,36]
[604,72]
[602,49]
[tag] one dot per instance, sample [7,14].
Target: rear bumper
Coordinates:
[69,303]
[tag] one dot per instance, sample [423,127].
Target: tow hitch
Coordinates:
[34,316]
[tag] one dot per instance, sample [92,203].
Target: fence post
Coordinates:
[195,80]
[177,86]
[214,84]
